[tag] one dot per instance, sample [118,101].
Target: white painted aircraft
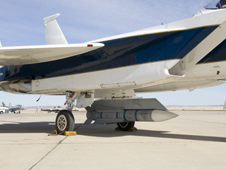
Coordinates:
[14,109]
[187,54]
[3,109]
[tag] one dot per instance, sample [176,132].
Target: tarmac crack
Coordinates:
[48,153]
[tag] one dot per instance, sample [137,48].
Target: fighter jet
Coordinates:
[14,109]
[183,55]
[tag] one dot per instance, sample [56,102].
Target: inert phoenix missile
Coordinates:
[132,115]
[127,110]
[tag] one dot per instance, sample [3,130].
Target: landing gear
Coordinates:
[64,121]
[65,118]
[125,126]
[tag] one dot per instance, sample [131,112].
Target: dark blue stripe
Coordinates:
[124,115]
[101,115]
[218,54]
[135,115]
[116,53]
[117,115]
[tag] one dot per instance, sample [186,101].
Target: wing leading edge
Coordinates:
[56,47]
[43,53]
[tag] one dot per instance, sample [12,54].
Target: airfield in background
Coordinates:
[170,108]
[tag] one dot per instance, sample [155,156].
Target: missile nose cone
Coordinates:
[161,115]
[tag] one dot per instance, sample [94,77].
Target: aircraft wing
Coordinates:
[200,51]
[43,53]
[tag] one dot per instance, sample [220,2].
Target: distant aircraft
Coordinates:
[13,109]
[187,54]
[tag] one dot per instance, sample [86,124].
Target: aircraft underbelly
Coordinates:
[212,70]
[106,79]
[200,76]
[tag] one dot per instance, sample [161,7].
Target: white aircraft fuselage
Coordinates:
[126,64]
[186,54]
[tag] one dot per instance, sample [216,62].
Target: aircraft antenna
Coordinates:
[39,98]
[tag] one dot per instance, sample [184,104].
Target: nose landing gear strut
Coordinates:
[65,120]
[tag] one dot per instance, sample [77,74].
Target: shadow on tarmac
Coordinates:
[109,131]
[100,131]
[30,127]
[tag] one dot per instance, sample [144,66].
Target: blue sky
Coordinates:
[83,20]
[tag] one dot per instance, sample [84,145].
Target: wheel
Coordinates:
[64,121]
[1,112]
[125,126]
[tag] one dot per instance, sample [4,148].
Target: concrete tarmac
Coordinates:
[194,140]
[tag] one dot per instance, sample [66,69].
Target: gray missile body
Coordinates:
[131,115]
[117,111]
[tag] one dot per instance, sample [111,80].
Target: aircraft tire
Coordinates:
[125,126]
[64,121]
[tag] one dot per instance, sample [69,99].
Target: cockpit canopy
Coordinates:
[216,4]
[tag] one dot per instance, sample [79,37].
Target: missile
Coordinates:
[130,115]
